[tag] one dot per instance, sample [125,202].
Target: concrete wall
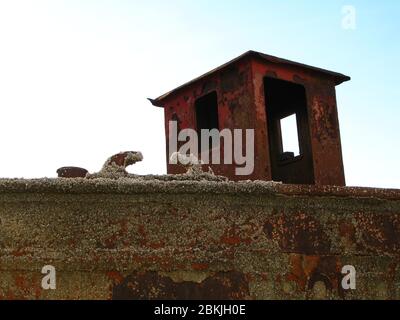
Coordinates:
[184,239]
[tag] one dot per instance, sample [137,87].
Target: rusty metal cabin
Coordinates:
[258,91]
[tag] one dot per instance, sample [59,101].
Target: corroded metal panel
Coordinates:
[239,86]
[160,239]
[322,118]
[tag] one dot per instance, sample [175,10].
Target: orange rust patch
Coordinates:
[310,263]
[200,266]
[297,273]
[231,240]
[115,276]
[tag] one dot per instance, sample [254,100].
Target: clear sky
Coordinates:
[75,74]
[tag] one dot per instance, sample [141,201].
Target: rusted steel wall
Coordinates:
[235,96]
[322,114]
[132,239]
[242,105]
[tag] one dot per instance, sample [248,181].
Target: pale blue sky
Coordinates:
[75,74]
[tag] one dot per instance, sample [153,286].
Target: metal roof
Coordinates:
[338,77]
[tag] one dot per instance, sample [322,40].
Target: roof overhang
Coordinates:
[338,78]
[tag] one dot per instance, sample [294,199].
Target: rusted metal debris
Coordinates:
[114,167]
[72,172]
[123,159]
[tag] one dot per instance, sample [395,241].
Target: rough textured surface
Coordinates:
[172,237]
[115,166]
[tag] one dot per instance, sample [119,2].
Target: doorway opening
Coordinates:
[288,132]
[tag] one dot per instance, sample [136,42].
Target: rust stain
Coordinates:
[379,233]
[306,271]
[301,233]
[200,266]
[151,286]
[116,277]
